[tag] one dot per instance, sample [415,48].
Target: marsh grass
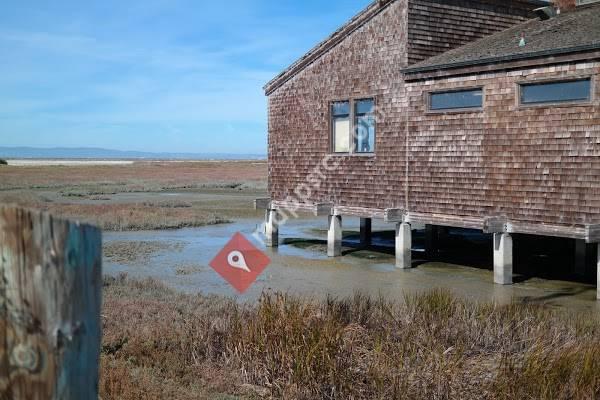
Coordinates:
[87,190]
[90,193]
[429,346]
[168,214]
[136,217]
[140,176]
[168,204]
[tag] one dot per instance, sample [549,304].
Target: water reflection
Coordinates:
[300,265]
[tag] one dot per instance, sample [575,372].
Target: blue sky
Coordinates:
[152,75]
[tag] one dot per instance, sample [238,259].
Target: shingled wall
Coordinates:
[536,164]
[436,26]
[367,63]
[531,164]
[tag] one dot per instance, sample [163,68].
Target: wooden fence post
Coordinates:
[50,299]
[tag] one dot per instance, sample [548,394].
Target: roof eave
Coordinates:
[364,16]
[501,59]
[521,64]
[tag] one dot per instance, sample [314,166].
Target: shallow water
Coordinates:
[300,266]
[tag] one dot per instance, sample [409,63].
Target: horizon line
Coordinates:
[172,152]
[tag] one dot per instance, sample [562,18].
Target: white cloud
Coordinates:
[120,70]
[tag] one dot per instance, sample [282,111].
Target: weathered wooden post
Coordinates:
[50,299]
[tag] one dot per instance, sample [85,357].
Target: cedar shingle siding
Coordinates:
[571,31]
[535,165]
[367,63]
[532,164]
[435,27]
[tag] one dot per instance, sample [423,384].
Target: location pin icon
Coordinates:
[236,260]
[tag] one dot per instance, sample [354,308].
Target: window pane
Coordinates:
[340,108]
[462,99]
[365,106]
[365,134]
[341,135]
[556,92]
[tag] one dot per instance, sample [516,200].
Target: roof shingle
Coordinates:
[578,30]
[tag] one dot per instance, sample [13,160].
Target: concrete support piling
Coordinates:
[598,268]
[403,246]
[272,228]
[503,259]
[365,231]
[334,236]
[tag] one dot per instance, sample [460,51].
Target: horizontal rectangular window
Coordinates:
[364,115]
[340,115]
[457,99]
[556,92]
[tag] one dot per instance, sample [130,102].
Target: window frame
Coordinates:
[354,130]
[565,103]
[586,2]
[429,94]
[352,151]
[332,126]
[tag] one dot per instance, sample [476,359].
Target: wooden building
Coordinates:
[481,114]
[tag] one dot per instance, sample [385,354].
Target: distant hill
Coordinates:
[107,154]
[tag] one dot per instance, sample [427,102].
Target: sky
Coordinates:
[151,75]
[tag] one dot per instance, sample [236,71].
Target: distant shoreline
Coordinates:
[39,162]
[100,154]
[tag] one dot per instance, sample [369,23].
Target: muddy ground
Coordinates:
[300,265]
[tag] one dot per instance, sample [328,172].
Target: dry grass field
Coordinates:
[162,345]
[145,176]
[95,193]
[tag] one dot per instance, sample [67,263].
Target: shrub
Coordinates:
[3,162]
